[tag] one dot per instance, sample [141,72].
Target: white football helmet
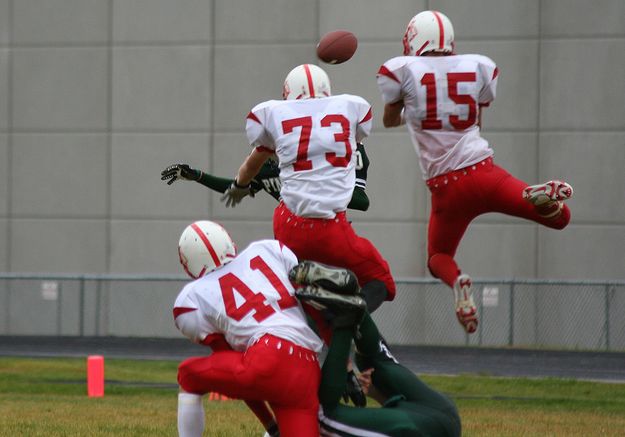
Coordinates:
[429,31]
[204,246]
[306,81]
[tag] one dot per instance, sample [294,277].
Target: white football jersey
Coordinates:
[442,96]
[315,141]
[245,299]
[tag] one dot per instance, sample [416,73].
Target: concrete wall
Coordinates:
[98,96]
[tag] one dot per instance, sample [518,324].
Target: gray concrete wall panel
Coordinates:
[147,246]
[45,165]
[5,23]
[491,18]
[58,246]
[4,252]
[401,244]
[274,21]
[498,250]
[60,21]
[517,93]
[394,182]
[162,20]
[241,88]
[4,175]
[582,18]
[587,160]
[582,92]
[395,15]
[161,88]
[60,88]
[136,188]
[582,252]
[4,89]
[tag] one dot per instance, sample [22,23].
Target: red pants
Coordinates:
[275,370]
[333,242]
[460,196]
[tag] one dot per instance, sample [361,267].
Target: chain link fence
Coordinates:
[572,315]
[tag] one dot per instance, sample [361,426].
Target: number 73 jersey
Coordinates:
[442,97]
[245,299]
[315,141]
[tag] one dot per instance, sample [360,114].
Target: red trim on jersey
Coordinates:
[418,52]
[208,245]
[264,149]
[182,310]
[252,116]
[366,117]
[441,30]
[311,89]
[388,73]
[495,73]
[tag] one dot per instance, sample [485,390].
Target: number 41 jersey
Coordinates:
[245,299]
[315,141]
[442,96]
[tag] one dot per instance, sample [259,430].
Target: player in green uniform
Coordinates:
[409,407]
[268,179]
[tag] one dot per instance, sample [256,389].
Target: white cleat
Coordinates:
[543,194]
[466,311]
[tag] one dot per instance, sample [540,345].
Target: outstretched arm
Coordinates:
[241,186]
[185,173]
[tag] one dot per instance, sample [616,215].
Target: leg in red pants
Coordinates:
[274,370]
[333,242]
[466,194]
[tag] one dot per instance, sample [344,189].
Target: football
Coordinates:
[337,46]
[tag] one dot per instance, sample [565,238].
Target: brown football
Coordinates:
[337,46]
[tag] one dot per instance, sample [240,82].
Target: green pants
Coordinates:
[412,408]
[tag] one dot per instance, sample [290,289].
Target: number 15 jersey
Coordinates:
[315,141]
[442,96]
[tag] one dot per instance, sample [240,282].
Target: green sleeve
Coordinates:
[215,183]
[360,200]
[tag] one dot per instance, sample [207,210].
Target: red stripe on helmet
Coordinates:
[418,52]
[310,80]
[388,73]
[441,30]
[207,243]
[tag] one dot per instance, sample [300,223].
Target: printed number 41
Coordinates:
[253,301]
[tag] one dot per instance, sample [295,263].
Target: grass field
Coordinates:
[47,397]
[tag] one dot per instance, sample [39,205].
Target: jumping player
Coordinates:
[268,179]
[439,96]
[314,136]
[243,307]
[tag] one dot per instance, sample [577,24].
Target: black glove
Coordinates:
[235,193]
[180,171]
[354,391]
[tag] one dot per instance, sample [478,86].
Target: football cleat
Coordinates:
[466,311]
[544,194]
[335,279]
[340,310]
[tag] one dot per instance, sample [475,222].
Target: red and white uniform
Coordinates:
[249,305]
[442,96]
[315,141]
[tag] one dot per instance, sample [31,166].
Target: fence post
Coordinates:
[81,303]
[59,309]
[606,326]
[511,316]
